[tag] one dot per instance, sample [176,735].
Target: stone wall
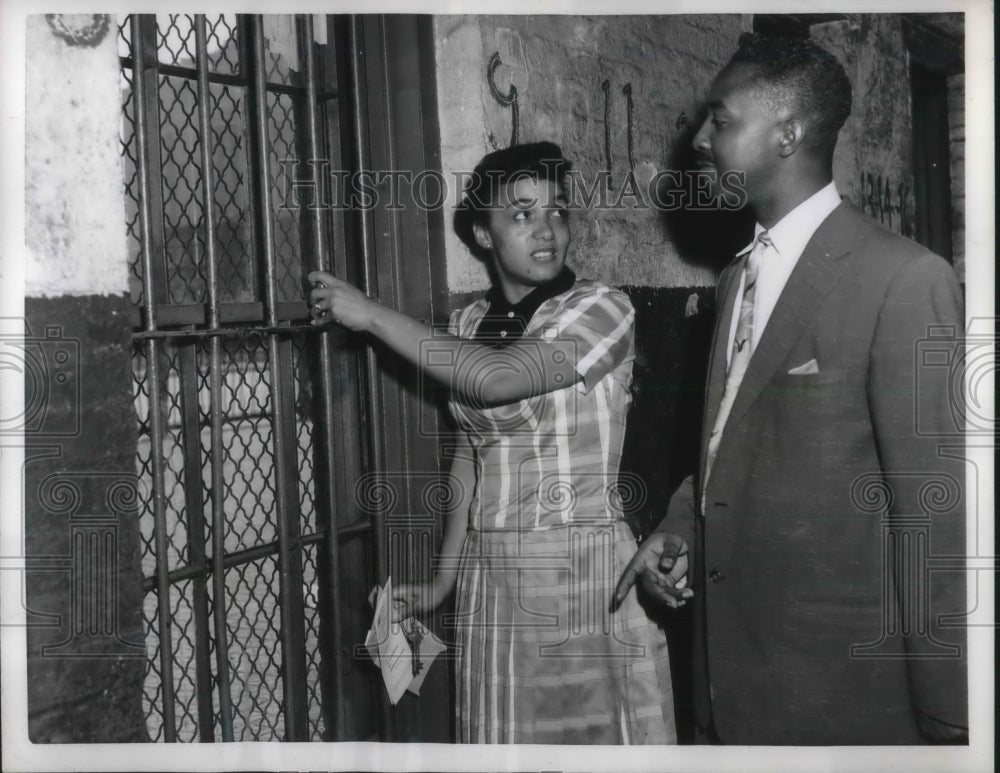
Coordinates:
[86,656]
[872,165]
[624,89]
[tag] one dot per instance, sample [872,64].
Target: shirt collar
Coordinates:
[505,322]
[527,306]
[792,233]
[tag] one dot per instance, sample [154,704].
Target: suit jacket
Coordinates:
[817,620]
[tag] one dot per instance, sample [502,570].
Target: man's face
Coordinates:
[742,130]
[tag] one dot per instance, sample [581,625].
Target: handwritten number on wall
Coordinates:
[606,87]
[627,91]
[877,200]
[510,100]
[507,100]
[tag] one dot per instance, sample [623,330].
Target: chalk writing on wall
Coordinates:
[627,91]
[606,88]
[885,202]
[507,100]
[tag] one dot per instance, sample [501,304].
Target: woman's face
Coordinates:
[527,234]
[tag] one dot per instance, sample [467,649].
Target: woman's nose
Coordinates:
[544,230]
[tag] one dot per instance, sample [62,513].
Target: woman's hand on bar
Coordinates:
[332,298]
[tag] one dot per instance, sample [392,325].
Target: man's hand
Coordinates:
[331,298]
[661,568]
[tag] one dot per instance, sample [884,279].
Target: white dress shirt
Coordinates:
[789,237]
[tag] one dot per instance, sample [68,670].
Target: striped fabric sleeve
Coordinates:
[453,319]
[601,324]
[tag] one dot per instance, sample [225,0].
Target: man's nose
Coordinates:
[700,141]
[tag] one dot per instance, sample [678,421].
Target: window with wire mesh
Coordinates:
[176,181]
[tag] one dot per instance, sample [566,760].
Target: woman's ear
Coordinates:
[483,238]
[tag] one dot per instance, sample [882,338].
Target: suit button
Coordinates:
[716,576]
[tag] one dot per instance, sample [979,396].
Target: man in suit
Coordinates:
[802,542]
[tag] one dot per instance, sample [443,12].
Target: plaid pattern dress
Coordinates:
[542,659]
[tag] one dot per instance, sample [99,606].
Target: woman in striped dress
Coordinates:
[540,371]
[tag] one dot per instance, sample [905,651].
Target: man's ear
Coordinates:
[483,238]
[793,131]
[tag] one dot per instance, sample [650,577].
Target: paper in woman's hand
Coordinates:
[425,646]
[391,646]
[388,646]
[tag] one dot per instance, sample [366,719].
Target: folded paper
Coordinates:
[403,651]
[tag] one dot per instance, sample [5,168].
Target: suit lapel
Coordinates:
[811,280]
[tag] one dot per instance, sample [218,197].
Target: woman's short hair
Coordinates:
[534,160]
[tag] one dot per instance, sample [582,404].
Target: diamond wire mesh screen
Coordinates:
[253,613]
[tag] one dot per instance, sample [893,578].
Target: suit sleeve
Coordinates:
[912,395]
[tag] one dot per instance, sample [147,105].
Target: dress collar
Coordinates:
[505,322]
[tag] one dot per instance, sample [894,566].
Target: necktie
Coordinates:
[740,356]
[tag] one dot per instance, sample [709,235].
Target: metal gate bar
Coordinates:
[358,45]
[153,370]
[321,246]
[196,532]
[215,400]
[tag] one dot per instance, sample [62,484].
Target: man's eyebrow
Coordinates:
[716,104]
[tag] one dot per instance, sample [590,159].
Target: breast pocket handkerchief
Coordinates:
[805,369]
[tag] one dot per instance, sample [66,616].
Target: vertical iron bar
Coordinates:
[369,278]
[191,429]
[289,544]
[153,375]
[218,492]
[376,462]
[321,245]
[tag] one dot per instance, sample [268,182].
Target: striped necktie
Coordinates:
[742,349]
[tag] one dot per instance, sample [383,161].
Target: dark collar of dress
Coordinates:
[505,322]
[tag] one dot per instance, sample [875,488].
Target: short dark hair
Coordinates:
[534,160]
[810,75]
